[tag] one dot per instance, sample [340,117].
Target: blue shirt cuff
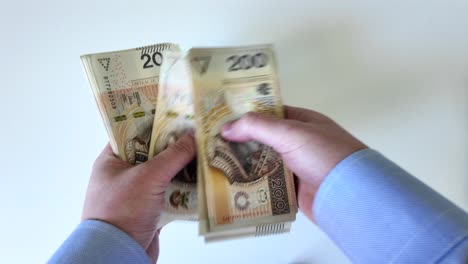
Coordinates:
[99,242]
[378,213]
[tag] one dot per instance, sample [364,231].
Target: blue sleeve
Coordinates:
[378,213]
[99,242]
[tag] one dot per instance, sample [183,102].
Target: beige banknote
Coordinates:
[174,117]
[246,188]
[125,86]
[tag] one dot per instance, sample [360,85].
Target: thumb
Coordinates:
[171,160]
[266,129]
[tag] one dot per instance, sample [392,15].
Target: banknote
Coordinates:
[246,188]
[125,86]
[174,117]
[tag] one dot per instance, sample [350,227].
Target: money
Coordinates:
[125,86]
[174,117]
[244,188]
[150,96]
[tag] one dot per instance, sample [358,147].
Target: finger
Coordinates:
[302,114]
[173,159]
[266,129]
[306,195]
[153,249]
[107,157]
[107,151]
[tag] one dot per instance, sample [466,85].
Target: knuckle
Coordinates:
[288,126]
[250,118]
[321,118]
[303,115]
[181,147]
[105,163]
[98,162]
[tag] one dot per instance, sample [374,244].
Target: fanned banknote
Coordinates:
[174,118]
[246,190]
[125,86]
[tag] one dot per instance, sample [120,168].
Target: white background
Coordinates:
[395,73]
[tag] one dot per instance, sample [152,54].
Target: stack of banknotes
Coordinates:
[150,96]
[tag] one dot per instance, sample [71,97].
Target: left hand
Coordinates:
[132,197]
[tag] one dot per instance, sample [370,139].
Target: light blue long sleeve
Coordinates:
[378,213]
[99,242]
[373,210]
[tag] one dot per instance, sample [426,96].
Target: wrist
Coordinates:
[335,160]
[321,190]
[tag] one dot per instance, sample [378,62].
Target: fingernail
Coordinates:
[227,128]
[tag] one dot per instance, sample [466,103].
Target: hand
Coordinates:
[310,144]
[132,197]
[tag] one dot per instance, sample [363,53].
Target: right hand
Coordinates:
[310,144]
